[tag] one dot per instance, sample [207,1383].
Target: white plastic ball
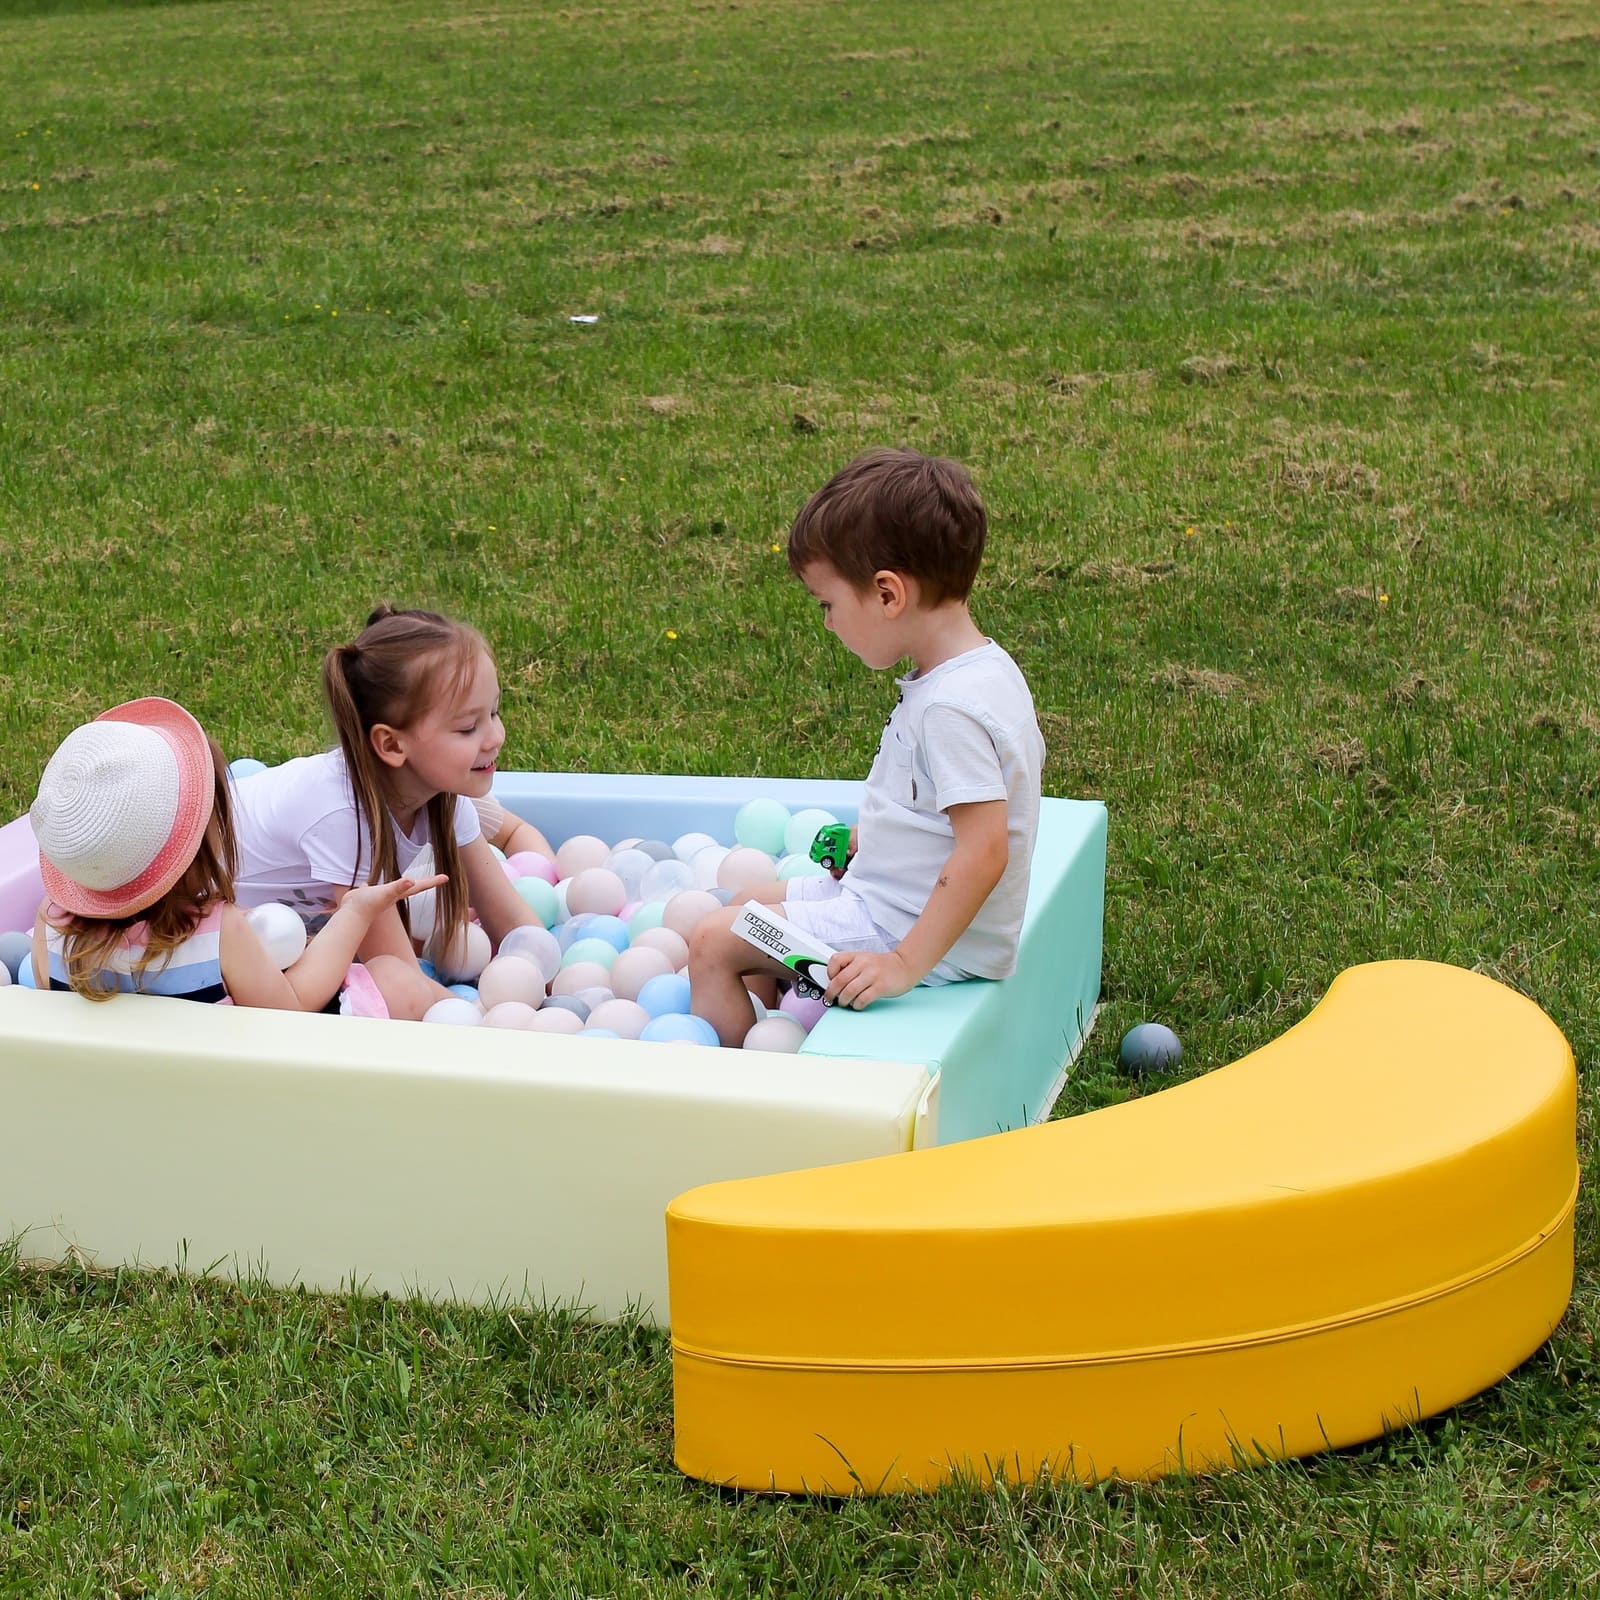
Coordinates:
[685,910]
[779,1034]
[761,824]
[580,975]
[465,956]
[556,1022]
[630,866]
[627,1018]
[596,889]
[706,863]
[744,868]
[457,1013]
[667,878]
[596,996]
[280,930]
[688,845]
[5,975]
[802,829]
[537,945]
[635,967]
[672,945]
[511,979]
[579,853]
[509,1014]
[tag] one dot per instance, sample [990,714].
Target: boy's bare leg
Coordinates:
[764,988]
[719,962]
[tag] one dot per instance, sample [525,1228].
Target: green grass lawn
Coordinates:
[1271,337]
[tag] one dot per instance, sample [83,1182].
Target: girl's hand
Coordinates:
[373,899]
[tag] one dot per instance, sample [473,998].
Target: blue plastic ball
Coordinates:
[679,1027]
[612,929]
[15,948]
[666,995]
[25,976]
[598,1033]
[245,767]
[429,970]
[464,991]
[1149,1047]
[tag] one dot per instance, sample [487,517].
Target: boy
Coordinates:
[935,888]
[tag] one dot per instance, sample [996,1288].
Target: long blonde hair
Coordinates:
[90,943]
[395,670]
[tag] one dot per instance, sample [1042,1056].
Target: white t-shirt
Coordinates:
[300,837]
[964,733]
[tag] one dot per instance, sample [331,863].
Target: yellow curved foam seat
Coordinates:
[1362,1223]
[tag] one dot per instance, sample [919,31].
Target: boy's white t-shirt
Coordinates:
[965,732]
[300,837]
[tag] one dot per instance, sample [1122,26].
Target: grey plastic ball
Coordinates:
[1149,1047]
[568,1002]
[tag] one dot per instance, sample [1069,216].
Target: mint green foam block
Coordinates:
[1002,1049]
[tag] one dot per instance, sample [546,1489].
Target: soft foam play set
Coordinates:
[881,1274]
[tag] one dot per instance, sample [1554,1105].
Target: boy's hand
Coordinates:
[371,899]
[839,872]
[858,977]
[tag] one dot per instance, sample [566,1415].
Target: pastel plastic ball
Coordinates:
[580,975]
[688,845]
[464,956]
[532,864]
[626,1018]
[509,1014]
[570,1002]
[280,930]
[596,952]
[562,909]
[685,910]
[1149,1047]
[706,864]
[800,867]
[25,977]
[574,929]
[808,1013]
[656,849]
[596,889]
[680,1028]
[245,767]
[761,824]
[802,829]
[666,878]
[633,969]
[538,897]
[672,945]
[612,930]
[666,994]
[595,996]
[511,978]
[630,867]
[15,948]
[782,1035]
[457,1013]
[648,916]
[744,868]
[586,1032]
[5,976]
[547,1021]
[498,854]
[537,945]
[579,853]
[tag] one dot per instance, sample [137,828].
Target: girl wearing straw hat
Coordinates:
[137,853]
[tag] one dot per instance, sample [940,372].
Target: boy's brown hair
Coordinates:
[900,511]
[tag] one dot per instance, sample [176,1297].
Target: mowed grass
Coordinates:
[1271,338]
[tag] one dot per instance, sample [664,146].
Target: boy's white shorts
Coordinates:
[831,910]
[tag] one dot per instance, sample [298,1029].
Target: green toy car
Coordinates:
[831,847]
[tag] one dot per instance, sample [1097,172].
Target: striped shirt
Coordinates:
[190,971]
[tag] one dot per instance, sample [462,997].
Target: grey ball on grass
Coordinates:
[1149,1047]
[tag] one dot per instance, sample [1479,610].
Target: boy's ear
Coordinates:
[387,744]
[891,591]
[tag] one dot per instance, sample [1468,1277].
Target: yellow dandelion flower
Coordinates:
[1383,599]
[776,548]
[36,186]
[672,633]
[1188,533]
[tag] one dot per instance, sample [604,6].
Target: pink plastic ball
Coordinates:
[555,1022]
[509,1014]
[580,975]
[685,909]
[596,889]
[580,852]
[634,968]
[672,945]
[744,868]
[806,1012]
[624,1017]
[532,864]
[511,978]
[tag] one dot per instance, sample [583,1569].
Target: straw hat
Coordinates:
[122,808]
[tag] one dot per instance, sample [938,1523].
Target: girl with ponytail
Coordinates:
[415,702]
